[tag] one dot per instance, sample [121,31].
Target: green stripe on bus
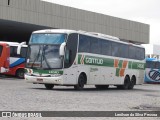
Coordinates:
[117,72]
[130,65]
[120,63]
[108,62]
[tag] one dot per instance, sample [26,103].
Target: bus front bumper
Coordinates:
[44,80]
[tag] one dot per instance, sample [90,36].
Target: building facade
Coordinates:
[18,18]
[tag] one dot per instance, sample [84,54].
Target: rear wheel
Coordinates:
[20,73]
[81,82]
[49,86]
[132,83]
[126,84]
[102,87]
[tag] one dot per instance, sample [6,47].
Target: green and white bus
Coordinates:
[78,58]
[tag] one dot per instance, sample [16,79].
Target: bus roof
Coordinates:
[94,34]
[9,43]
[55,31]
[12,43]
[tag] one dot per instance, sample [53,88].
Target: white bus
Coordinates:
[78,58]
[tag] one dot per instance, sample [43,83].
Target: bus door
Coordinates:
[4,57]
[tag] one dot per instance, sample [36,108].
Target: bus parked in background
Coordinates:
[4,57]
[152,73]
[78,58]
[17,58]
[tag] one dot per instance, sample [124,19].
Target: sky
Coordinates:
[145,11]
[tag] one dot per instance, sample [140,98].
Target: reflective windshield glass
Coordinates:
[44,56]
[45,38]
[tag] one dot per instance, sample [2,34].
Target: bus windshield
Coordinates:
[43,50]
[47,38]
[44,56]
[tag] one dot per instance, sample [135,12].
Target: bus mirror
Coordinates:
[61,50]
[19,47]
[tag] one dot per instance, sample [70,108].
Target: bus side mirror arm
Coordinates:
[19,47]
[61,50]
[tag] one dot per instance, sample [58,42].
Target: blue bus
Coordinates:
[152,72]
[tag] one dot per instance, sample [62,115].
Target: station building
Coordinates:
[19,18]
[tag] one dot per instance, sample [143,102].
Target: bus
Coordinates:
[152,72]
[4,57]
[78,58]
[17,58]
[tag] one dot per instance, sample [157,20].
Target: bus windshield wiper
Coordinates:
[43,56]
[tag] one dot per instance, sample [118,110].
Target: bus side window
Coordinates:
[13,51]
[150,64]
[157,65]
[84,43]
[95,45]
[23,52]
[140,53]
[132,52]
[115,49]
[124,51]
[105,47]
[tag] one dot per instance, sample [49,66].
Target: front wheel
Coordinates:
[81,82]
[20,73]
[49,86]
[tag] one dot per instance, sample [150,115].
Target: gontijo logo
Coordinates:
[94,61]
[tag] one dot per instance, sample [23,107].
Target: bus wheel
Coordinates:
[126,84]
[49,86]
[81,81]
[102,87]
[20,73]
[132,83]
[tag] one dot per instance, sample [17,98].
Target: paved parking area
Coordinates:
[17,95]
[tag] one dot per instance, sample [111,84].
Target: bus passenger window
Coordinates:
[23,52]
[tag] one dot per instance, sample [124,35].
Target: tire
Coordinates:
[20,73]
[132,83]
[126,84]
[101,87]
[49,86]
[81,82]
